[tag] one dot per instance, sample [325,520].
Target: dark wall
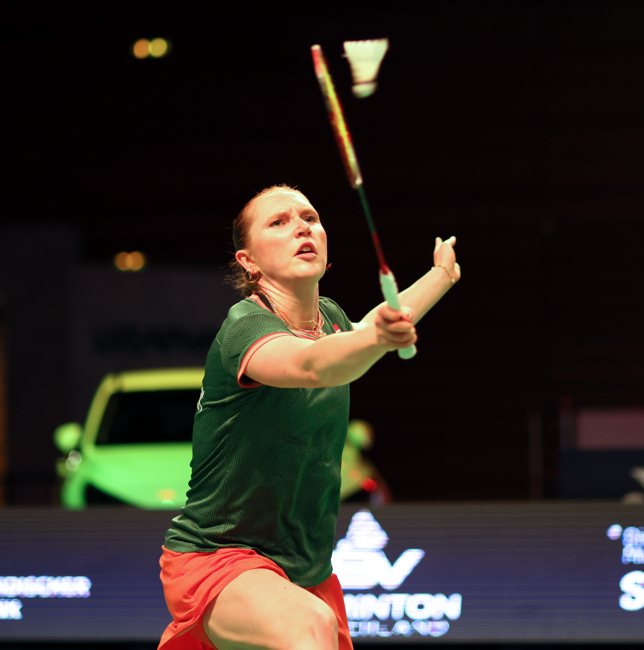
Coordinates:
[518,127]
[35,279]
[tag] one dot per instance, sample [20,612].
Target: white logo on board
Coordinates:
[632,583]
[360,562]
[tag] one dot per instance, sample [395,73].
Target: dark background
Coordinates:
[516,126]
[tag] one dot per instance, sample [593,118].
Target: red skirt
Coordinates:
[191,581]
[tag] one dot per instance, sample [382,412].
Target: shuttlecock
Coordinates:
[365,58]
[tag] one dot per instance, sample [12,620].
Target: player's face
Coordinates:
[287,242]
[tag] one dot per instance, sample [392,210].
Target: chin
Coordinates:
[316,271]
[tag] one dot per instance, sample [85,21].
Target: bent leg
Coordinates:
[260,609]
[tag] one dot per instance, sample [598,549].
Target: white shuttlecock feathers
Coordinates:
[365,58]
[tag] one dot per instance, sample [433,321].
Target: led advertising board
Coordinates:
[476,572]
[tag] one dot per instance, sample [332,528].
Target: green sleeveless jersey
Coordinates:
[265,461]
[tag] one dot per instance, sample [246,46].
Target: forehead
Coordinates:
[278,201]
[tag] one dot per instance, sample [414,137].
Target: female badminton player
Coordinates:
[247,562]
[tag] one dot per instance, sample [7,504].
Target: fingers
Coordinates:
[445,256]
[395,329]
[392,315]
[450,242]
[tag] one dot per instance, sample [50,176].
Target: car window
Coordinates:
[148,417]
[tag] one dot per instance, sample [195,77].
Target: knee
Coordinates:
[318,629]
[326,623]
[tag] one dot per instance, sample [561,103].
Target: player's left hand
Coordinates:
[445,256]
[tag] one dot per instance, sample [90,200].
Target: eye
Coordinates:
[276,222]
[311,218]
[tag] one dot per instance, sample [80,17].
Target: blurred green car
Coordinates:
[135,445]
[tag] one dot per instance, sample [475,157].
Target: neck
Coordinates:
[301,307]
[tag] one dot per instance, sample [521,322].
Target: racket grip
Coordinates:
[390,292]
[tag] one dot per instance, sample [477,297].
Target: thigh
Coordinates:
[260,609]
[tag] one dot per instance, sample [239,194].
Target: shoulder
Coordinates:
[243,308]
[330,304]
[332,310]
[247,319]
[245,325]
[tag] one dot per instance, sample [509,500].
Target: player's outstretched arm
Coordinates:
[335,360]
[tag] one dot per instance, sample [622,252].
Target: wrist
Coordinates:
[445,271]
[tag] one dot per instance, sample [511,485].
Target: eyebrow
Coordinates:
[276,215]
[287,213]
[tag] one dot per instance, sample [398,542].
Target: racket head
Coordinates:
[336,118]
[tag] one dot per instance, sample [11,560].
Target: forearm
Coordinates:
[344,357]
[421,296]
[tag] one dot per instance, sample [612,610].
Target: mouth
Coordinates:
[306,250]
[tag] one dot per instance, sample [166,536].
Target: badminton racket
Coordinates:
[350,161]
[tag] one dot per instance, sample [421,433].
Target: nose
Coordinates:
[302,228]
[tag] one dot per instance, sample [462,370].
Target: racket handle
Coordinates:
[390,292]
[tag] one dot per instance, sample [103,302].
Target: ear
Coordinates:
[245,259]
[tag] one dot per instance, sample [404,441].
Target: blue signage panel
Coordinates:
[535,571]
[494,572]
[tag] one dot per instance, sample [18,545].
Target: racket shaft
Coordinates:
[336,118]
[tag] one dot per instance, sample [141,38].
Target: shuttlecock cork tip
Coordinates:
[365,58]
[364,89]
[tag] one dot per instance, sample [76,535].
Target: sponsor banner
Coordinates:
[486,572]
